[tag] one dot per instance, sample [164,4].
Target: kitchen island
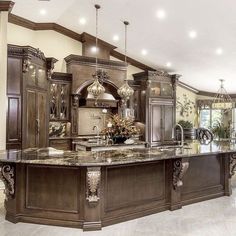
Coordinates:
[90,190]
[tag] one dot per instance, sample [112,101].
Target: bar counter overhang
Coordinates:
[90,190]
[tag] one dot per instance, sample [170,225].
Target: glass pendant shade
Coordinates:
[96,89]
[125,91]
[222,100]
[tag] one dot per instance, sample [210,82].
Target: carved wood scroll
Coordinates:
[93,184]
[232,165]
[7,176]
[179,170]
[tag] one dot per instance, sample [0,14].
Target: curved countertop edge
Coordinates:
[118,157]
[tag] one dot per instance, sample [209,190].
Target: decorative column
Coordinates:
[92,207]
[5,7]
[179,168]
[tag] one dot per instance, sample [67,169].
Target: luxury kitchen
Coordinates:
[102,134]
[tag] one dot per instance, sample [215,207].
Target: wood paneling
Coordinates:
[203,178]
[14,119]
[52,189]
[134,185]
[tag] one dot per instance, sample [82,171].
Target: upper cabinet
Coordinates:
[60,93]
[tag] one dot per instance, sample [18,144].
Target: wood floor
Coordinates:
[215,217]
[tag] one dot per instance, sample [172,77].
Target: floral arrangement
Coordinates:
[118,126]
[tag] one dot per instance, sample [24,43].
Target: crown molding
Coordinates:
[6,5]
[17,20]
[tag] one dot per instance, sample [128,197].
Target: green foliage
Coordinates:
[186,124]
[221,131]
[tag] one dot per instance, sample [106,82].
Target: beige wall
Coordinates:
[192,97]
[51,43]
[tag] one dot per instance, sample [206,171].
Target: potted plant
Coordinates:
[120,129]
[189,131]
[221,131]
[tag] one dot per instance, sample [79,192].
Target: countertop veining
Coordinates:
[50,156]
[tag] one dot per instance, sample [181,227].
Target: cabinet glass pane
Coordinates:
[31,75]
[156,131]
[168,121]
[64,105]
[53,101]
[155,89]
[166,90]
[42,80]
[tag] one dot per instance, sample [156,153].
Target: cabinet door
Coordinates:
[30,135]
[168,122]
[42,81]
[41,121]
[155,123]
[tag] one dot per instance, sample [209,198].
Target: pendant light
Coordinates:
[125,91]
[96,88]
[222,100]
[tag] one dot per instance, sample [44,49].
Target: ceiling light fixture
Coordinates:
[144,52]
[116,37]
[94,49]
[82,21]
[96,89]
[222,100]
[168,64]
[219,51]
[43,12]
[161,14]
[125,91]
[192,34]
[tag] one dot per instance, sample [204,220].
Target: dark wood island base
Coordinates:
[90,197]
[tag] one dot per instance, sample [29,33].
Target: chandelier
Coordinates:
[222,100]
[125,91]
[96,88]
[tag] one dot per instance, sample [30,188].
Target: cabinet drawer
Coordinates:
[62,144]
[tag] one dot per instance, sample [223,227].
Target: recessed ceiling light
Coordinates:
[94,49]
[219,51]
[116,37]
[161,14]
[192,34]
[82,21]
[43,12]
[144,52]
[168,64]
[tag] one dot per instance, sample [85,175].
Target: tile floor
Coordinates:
[211,218]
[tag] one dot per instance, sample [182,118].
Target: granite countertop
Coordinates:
[50,156]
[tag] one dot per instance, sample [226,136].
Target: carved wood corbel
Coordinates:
[7,173]
[26,63]
[93,179]
[232,165]
[179,170]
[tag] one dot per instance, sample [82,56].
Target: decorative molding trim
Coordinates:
[7,175]
[131,61]
[62,76]
[93,179]
[25,65]
[17,20]
[232,165]
[179,170]
[50,66]
[6,5]
[188,87]
[91,61]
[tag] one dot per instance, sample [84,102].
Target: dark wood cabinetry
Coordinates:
[154,102]
[60,92]
[27,92]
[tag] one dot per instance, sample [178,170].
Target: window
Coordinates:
[210,117]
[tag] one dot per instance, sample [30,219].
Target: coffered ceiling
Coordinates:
[193,38]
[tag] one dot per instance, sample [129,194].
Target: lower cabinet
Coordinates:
[61,144]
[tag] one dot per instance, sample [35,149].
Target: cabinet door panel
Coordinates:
[42,78]
[30,75]
[168,122]
[30,140]
[42,119]
[156,123]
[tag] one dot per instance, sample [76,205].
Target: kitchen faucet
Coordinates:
[182,133]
